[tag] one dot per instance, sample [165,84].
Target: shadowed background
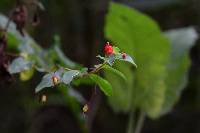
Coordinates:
[80,24]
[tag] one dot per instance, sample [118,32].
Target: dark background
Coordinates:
[80,24]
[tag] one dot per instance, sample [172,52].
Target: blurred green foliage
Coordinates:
[155,85]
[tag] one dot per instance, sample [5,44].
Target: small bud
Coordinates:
[85,108]
[44,98]
[124,55]
[55,79]
[108,49]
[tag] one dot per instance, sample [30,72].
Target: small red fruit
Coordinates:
[124,55]
[108,49]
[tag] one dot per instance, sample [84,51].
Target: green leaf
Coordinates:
[127,59]
[84,69]
[116,50]
[138,35]
[69,75]
[104,85]
[46,82]
[13,42]
[179,63]
[83,80]
[18,65]
[63,77]
[111,59]
[113,70]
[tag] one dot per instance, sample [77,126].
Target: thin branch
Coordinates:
[98,68]
[95,70]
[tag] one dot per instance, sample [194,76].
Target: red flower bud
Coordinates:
[108,49]
[124,55]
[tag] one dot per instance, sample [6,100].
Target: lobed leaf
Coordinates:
[179,63]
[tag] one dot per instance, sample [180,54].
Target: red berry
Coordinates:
[124,55]
[108,49]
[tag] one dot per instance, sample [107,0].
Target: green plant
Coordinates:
[58,70]
[155,86]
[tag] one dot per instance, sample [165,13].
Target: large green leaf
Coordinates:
[138,35]
[182,40]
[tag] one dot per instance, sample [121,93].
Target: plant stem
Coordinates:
[97,69]
[140,122]
[131,123]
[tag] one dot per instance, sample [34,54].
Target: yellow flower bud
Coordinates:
[85,108]
[44,98]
